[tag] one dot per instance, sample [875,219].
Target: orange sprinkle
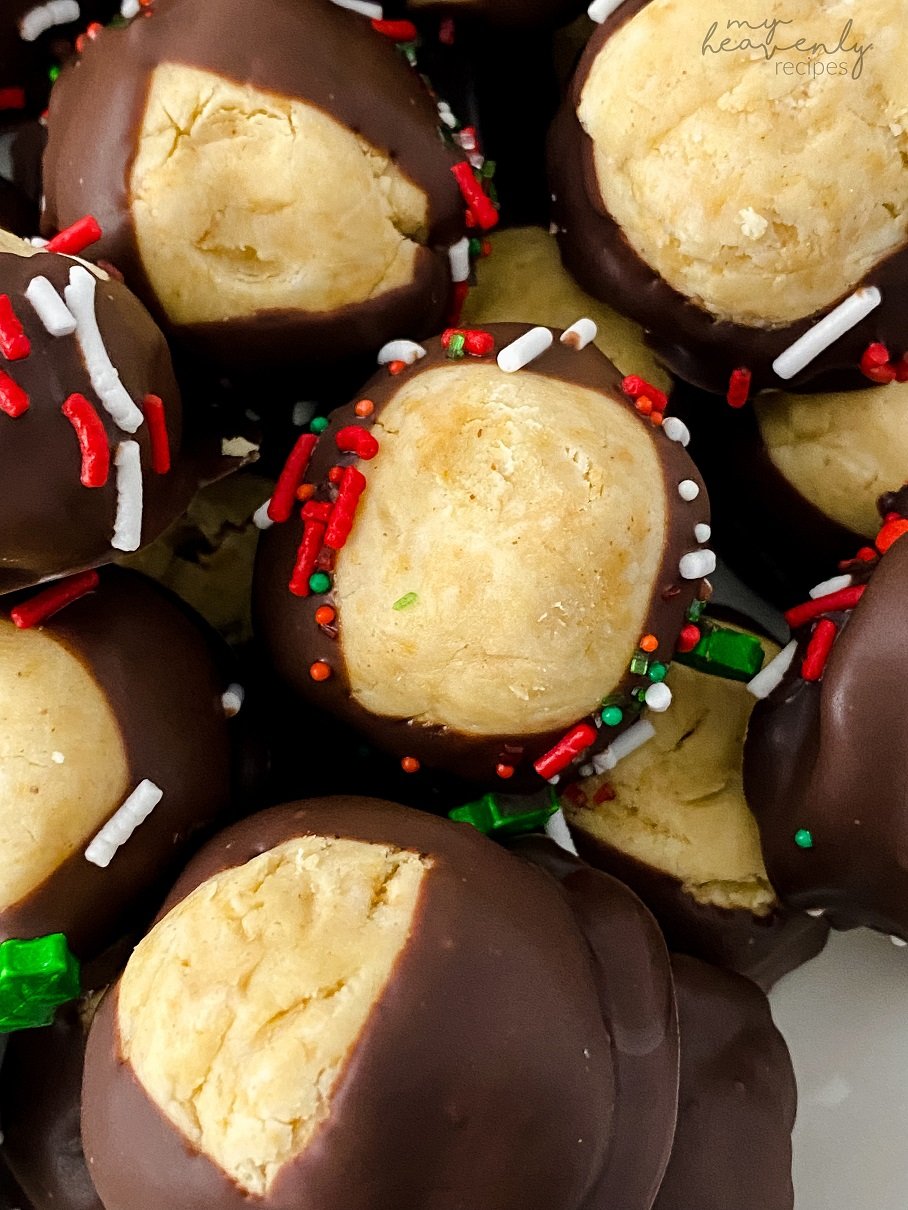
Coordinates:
[410,764]
[656,418]
[649,642]
[335,474]
[305,491]
[891,532]
[644,405]
[396,367]
[320,671]
[505,771]
[365,407]
[325,615]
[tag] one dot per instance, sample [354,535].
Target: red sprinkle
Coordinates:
[818,650]
[504,771]
[14,344]
[13,400]
[446,31]
[317,510]
[901,370]
[688,638]
[352,486]
[410,764]
[458,297]
[845,598]
[400,31]
[12,98]
[43,606]
[396,367]
[875,364]
[306,556]
[605,793]
[352,439]
[738,387]
[320,671]
[281,504]
[475,341]
[576,741]
[153,407]
[635,386]
[335,474]
[866,554]
[891,532]
[77,238]
[92,437]
[479,203]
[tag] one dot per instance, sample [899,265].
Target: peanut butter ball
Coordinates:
[274,190]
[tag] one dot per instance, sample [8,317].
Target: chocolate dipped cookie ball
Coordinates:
[737,1099]
[671,821]
[825,761]
[703,171]
[487,557]
[118,747]
[92,458]
[275,188]
[347,1004]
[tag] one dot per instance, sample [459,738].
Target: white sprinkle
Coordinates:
[702,533]
[140,804]
[697,564]
[38,241]
[770,677]
[557,829]
[407,351]
[58,758]
[632,739]
[260,517]
[39,20]
[753,225]
[444,112]
[553,781]
[659,697]
[374,11]
[233,699]
[50,307]
[899,942]
[524,349]
[303,412]
[688,490]
[599,10]
[825,333]
[128,525]
[836,584]
[459,255]
[816,913]
[580,334]
[80,298]
[130,9]
[237,447]
[676,430]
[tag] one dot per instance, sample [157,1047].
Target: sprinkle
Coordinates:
[702,533]
[688,490]
[828,587]
[825,333]
[156,419]
[649,643]
[335,474]
[476,342]
[632,739]
[352,486]
[697,564]
[130,9]
[14,344]
[599,10]
[50,307]
[657,671]
[260,518]
[524,349]
[459,256]
[577,740]
[37,975]
[765,682]
[803,838]
[280,506]
[891,532]
[306,557]
[724,652]
[365,407]
[505,772]
[688,638]
[396,367]
[320,671]
[612,716]
[478,202]
[12,98]
[232,699]
[875,364]
[738,387]
[638,388]
[42,17]
[317,510]
[410,764]
[140,804]
[319,583]
[373,11]
[404,602]
[658,697]
[407,351]
[833,602]
[352,439]
[92,438]
[13,400]
[676,430]
[398,31]
[492,817]
[77,238]
[579,334]
[818,649]
[898,942]
[325,615]
[318,424]
[80,298]
[127,533]
[43,606]
[816,913]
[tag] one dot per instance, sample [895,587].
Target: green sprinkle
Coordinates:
[488,169]
[475,248]
[726,653]
[639,665]
[639,694]
[456,346]
[404,602]
[612,716]
[319,424]
[492,816]
[657,672]
[36,977]
[804,838]
[319,582]
[695,611]
[54,74]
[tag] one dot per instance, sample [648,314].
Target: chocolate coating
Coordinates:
[319,53]
[695,345]
[829,756]
[452,1078]
[163,673]
[737,1099]
[286,624]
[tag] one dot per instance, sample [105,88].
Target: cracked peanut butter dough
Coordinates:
[274,188]
[750,188]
